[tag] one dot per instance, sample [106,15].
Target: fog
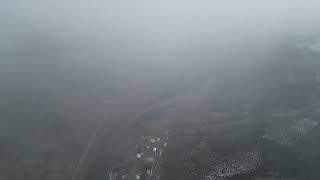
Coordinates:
[143,44]
[70,69]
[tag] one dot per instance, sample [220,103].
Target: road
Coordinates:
[111,142]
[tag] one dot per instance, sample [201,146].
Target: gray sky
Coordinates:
[146,41]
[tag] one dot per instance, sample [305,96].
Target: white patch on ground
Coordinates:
[311,46]
[289,133]
[240,163]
